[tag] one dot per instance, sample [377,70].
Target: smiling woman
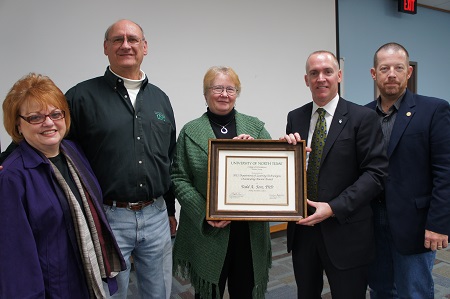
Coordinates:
[42,131]
[51,202]
[213,253]
[34,111]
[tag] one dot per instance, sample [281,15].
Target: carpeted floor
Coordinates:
[282,283]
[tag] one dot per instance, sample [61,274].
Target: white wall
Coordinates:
[265,41]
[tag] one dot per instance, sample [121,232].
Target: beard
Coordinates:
[393,89]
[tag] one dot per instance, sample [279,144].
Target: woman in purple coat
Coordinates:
[55,240]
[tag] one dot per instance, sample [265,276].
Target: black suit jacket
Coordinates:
[418,186]
[351,174]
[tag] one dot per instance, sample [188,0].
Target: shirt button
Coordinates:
[126,96]
[138,138]
[140,162]
[140,185]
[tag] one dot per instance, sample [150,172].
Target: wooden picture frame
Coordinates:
[256,180]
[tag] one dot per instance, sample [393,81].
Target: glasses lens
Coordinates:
[231,91]
[132,40]
[219,89]
[40,118]
[56,115]
[36,119]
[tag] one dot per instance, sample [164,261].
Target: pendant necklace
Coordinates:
[223,130]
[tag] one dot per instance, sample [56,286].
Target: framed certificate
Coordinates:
[256,180]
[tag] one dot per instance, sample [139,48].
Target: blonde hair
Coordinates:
[226,70]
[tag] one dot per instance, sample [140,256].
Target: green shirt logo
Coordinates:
[160,116]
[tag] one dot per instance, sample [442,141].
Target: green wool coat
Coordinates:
[199,250]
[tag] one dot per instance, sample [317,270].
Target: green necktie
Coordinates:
[317,143]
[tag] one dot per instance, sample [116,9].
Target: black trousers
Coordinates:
[310,259]
[238,265]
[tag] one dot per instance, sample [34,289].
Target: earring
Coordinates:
[206,103]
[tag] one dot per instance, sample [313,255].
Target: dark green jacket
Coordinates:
[200,250]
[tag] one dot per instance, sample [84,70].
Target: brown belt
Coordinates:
[134,206]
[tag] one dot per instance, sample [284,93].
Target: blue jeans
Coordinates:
[395,275]
[145,235]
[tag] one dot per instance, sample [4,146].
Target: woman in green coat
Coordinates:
[212,253]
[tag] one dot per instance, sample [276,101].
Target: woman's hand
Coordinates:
[219,223]
[244,136]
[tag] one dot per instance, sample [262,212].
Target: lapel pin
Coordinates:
[340,121]
[408,113]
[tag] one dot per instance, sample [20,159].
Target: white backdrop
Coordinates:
[265,41]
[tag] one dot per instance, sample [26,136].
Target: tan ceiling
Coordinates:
[442,5]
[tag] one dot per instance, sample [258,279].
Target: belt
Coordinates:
[134,206]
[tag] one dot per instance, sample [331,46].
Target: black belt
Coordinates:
[134,206]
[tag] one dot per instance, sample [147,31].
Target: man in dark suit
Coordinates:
[338,236]
[412,217]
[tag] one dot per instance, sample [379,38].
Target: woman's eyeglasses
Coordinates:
[40,118]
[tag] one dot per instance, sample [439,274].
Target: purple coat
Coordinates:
[39,255]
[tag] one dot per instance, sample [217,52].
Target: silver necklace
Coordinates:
[223,130]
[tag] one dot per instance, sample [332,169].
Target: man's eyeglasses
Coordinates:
[218,89]
[119,40]
[40,118]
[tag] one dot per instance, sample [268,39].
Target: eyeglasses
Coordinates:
[40,118]
[119,40]
[218,89]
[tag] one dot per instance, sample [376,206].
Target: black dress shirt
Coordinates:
[129,148]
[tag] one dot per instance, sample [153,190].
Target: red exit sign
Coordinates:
[407,6]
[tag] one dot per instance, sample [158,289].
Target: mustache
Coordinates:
[392,81]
